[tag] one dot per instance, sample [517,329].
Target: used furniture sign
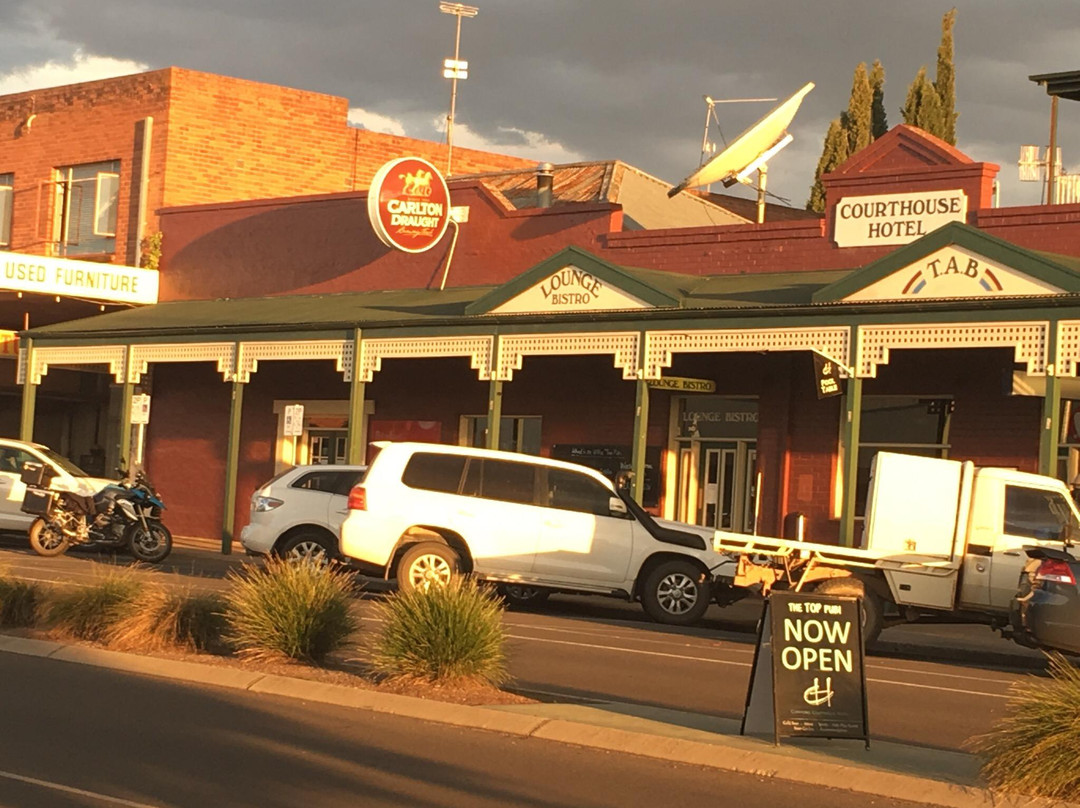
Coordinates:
[89,280]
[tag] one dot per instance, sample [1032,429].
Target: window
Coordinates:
[85,211]
[507,481]
[7,203]
[908,424]
[332,482]
[12,459]
[434,472]
[516,433]
[1035,513]
[570,491]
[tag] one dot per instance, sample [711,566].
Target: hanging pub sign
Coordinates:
[826,377]
[808,679]
[409,205]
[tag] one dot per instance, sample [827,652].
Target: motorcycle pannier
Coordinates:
[36,501]
[37,474]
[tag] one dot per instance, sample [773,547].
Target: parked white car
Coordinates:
[425,513]
[66,476]
[298,514]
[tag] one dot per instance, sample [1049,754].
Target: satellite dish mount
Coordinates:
[749,152]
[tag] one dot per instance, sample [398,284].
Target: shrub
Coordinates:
[18,602]
[442,633]
[1035,748]
[89,612]
[294,610]
[160,618]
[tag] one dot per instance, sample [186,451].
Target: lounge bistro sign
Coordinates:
[870,221]
[409,205]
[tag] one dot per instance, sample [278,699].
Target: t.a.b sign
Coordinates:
[810,656]
[294,420]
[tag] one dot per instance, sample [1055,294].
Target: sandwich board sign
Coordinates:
[808,679]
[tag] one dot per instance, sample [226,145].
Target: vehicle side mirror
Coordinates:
[616,507]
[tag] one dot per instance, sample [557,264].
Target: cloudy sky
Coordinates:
[561,81]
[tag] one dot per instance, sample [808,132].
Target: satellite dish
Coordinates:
[750,149]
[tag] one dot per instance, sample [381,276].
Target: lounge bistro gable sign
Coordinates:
[570,288]
[409,205]
[881,220]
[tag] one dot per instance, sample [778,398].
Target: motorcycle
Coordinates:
[122,516]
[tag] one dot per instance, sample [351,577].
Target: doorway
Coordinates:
[716,444]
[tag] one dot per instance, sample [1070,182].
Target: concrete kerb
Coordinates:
[647,738]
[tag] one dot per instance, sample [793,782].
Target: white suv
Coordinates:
[298,514]
[64,475]
[427,512]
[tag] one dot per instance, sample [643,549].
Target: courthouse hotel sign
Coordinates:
[871,221]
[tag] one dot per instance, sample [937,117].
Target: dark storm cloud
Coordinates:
[608,79]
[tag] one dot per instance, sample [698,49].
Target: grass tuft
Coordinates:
[1034,750]
[286,609]
[89,612]
[19,601]
[443,633]
[163,619]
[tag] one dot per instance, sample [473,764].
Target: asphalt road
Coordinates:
[602,651]
[81,736]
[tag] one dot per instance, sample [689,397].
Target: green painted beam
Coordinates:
[1050,426]
[849,437]
[29,397]
[641,440]
[357,390]
[232,460]
[494,414]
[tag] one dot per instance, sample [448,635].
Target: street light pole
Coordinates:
[455,70]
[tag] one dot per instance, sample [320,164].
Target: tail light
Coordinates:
[1055,570]
[358,499]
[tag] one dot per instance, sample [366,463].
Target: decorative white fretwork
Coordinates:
[1068,347]
[224,353]
[832,341]
[478,348]
[251,353]
[514,347]
[112,355]
[1027,339]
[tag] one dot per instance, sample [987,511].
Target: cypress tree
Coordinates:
[836,150]
[923,106]
[945,79]
[859,111]
[879,123]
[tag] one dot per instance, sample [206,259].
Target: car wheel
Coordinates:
[426,565]
[675,592]
[308,546]
[873,618]
[520,596]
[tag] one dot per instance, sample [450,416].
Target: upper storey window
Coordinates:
[86,206]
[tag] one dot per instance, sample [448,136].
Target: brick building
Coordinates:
[85,168]
[953,326]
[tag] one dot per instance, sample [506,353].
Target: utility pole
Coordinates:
[455,69]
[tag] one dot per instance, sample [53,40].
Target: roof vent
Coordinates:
[545,182]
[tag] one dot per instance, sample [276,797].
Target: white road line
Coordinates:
[743,664]
[70,790]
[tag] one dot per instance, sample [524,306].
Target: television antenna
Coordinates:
[1033,167]
[749,152]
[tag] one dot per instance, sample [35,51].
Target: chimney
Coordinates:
[545,181]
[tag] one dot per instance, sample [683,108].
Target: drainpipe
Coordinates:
[144,185]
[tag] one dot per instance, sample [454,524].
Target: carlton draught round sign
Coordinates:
[409,205]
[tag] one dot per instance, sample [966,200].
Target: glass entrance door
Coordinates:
[716,484]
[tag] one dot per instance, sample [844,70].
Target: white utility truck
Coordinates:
[942,539]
